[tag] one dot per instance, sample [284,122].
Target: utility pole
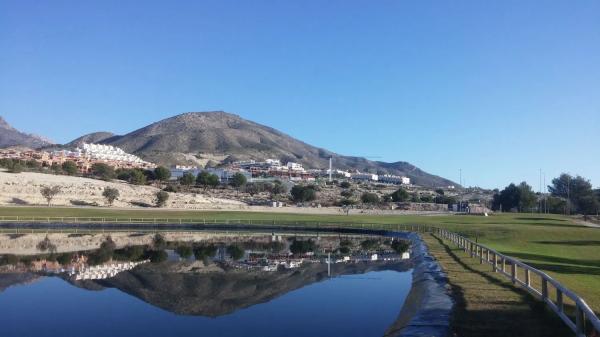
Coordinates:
[540,201]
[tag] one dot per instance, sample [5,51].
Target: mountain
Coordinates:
[95,137]
[10,136]
[202,138]
[219,293]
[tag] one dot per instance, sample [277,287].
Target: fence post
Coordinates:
[513,272]
[580,321]
[503,264]
[559,300]
[480,255]
[495,268]
[528,278]
[544,289]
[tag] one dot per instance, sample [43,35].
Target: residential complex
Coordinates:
[83,157]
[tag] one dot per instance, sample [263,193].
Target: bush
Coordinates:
[369,198]
[161,198]
[70,168]
[345,184]
[202,252]
[400,195]
[369,244]
[184,251]
[46,245]
[302,246]
[400,246]
[303,193]
[171,188]
[159,241]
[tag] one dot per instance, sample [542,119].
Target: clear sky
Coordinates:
[497,88]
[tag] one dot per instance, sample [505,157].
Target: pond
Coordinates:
[200,284]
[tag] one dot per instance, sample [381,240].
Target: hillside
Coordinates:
[10,136]
[220,137]
[95,137]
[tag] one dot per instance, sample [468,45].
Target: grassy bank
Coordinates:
[554,244]
[488,304]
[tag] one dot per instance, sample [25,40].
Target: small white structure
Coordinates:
[295,166]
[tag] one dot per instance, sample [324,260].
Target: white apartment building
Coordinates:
[392,179]
[365,177]
[295,166]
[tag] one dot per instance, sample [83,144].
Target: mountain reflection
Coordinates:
[211,277]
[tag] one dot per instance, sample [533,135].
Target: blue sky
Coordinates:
[499,89]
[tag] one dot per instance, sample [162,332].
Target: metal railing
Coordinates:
[523,275]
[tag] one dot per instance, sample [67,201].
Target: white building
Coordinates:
[365,177]
[295,166]
[107,152]
[392,179]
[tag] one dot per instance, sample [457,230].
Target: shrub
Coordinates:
[400,195]
[187,179]
[302,246]
[161,198]
[184,251]
[345,184]
[369,198]
[303,193]
[400,246]
[238,180]
[46,245]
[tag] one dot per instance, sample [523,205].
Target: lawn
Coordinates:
[554,244]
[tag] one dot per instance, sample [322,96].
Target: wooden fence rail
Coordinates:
[519,272]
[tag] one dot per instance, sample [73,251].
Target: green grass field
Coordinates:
[554,244]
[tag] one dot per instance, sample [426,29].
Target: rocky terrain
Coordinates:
[24,189]
[10,136]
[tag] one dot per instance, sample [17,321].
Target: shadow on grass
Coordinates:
[571,242]
[539,219]
[555,260]
[535,321]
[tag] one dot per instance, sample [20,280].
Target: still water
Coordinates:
[218,295]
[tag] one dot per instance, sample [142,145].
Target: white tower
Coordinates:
[330,168]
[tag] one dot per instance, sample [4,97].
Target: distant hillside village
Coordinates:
[254,183]
[87,155]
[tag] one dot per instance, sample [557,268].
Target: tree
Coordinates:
[69,167]
[577,191]
[161,198]
[33,165]
[238,180]
[213,180]
[46,245]
[253,188]
[162,173]
[137,177]
[303,193]
[110,194]
[369,198]
[187,179]
[49,192]
[278,188]
[103,171]
[235,252]
[400,195]
[202,179]
[16,167]
[515,198]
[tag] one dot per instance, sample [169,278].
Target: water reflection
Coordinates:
[211,276]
